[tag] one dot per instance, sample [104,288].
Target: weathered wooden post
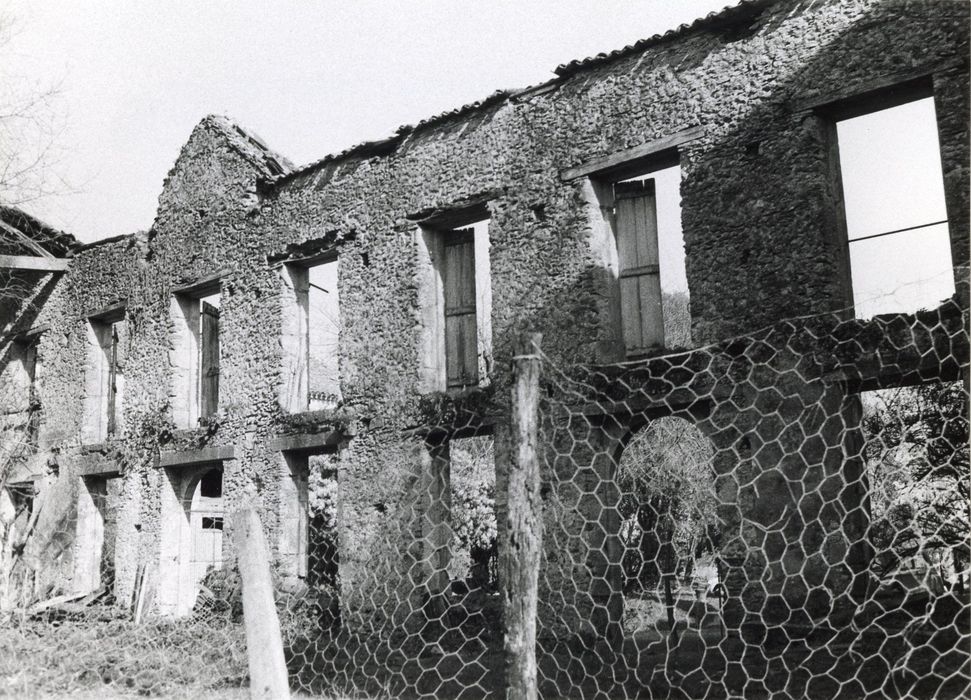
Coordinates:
[264,644]
[523,536]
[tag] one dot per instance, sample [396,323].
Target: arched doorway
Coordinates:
[192,534]
[204,507]
[668,527]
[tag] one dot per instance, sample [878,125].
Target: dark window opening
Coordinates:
[211,485]
[212,523]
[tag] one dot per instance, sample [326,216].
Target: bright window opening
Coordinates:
[311,335]
[105,377]
[900,256]
[195,357]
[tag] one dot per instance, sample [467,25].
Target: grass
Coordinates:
[104,654]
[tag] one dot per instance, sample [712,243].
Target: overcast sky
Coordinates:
[310,78]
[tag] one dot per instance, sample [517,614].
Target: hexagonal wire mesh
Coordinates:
[783,513]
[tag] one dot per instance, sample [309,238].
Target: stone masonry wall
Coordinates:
[758,211]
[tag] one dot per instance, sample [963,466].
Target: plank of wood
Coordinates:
[206,454]
[209,360]
[264,644]
[30,262]
[137,591]
[637,252]
[461,341]
[26,240]
[630,316]
[620,158]
[146,596]
[877,92]
[203,286]
[521,550]
[652,319]
[55,601]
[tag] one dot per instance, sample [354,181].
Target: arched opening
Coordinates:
[204,502]
[668,527]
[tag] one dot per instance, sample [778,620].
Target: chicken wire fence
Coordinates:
[783,514]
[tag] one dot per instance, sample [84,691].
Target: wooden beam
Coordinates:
[523,537]
[879,92]
[624,158]
[26,240]
[189,457]
[460,213]
[29,262]
[320,442]
[264,643]
[112,312]
[203,286]
[99,467]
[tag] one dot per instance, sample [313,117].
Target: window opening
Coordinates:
[98,505]
[212,523]
[209,355]
[29,360]
[23,402]
[106,383]
[472,481]
[197,357]
[455,291]
[896,221]
[323,551]
[668,525]
[323,335]
[211,484]
[311,330]
[653,285]
[918,476]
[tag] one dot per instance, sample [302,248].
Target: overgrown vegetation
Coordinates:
[102,650]
[668,502]
[917,460]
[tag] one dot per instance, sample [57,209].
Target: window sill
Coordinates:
[104,446]
[332,426]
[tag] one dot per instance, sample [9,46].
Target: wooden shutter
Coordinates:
[640,282]
[112,379]
[208,360]
[458,277]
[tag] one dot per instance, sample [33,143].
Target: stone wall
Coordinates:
[760,223]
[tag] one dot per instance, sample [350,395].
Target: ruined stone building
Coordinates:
[355,317]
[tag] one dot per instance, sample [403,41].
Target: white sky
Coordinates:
[310,78]
[892,182]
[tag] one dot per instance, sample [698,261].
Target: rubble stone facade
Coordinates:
[743,101]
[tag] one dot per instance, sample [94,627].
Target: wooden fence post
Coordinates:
[524,536]
[264,644]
